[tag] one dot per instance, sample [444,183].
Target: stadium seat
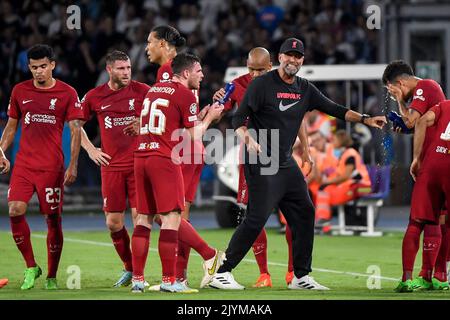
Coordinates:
[381,179]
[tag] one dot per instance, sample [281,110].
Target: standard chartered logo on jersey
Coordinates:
[39,118]
[118,121]
[108,123]
[216,147]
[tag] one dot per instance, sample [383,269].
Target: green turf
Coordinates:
[339,262]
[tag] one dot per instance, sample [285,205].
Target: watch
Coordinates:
[363,117]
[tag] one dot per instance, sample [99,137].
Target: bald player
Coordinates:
[258,63]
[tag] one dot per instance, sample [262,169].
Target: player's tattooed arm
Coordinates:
[397,94]
[409,116]
[75,142]
[7,138]
[422,124]
[96,154]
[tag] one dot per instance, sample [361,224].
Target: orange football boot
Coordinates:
[263,281]
[3,282]
[289,277]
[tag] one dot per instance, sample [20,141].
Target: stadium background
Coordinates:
[221,33]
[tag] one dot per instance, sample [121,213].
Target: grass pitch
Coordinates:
[344,264]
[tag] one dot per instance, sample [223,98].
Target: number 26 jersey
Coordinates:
[167,108]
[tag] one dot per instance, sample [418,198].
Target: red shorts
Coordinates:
[191,178]
[116,187]
[242,195]
[159,185]
[49,186]
[430,193]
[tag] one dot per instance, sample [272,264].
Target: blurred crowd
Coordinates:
[220,32]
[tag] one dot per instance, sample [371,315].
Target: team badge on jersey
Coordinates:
[193,108]
[131,103]
[53,104]
[165,76]
[419,95]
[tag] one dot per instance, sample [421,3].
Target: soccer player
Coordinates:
[279,100]
[168,107]
[42,105]
[163,42]
[114,104]
[401,83]
[429,169]
[258,63]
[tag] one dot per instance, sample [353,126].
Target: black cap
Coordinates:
[292,45]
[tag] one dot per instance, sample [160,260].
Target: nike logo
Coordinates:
[105,107]
[284,108]
[212,270]
[53,208]
[26,101]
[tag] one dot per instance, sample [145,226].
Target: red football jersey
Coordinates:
[240,86]
[427,94]
[438,154]
[115,109]
[42,113]
[167,107]
[165,74]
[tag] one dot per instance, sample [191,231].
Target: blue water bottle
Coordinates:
[398,121]
[229,88]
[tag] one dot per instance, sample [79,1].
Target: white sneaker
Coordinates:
[156,287]
[306,283]
[186,287]
[225,280]
[211,266]
[176,287]
[137,287]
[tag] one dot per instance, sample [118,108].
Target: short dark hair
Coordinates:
[169,34]
[115,55]
[395,69]
[184,61]
[41,51]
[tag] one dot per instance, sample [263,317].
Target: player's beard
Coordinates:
[193,85]
[120,83]
[290,69]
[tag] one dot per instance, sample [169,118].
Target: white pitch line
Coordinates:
[106,244]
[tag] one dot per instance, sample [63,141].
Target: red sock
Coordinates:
[167,248]
[431,245]
[260,251]
[410,246]
[21,235]
[440,270]
[55,241]
[289,243]
[188,235]
[121,242]
[182,259]
[140,242]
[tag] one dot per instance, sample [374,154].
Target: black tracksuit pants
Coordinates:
[287,189]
